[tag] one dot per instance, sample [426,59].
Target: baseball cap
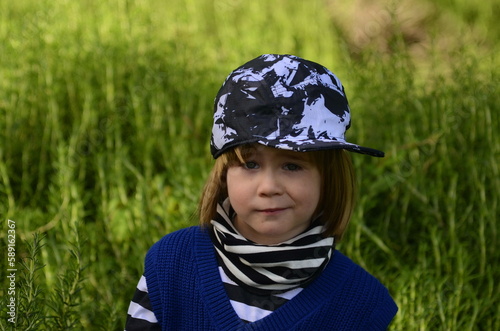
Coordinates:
[282,101]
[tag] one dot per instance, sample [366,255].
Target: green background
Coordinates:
[105,118]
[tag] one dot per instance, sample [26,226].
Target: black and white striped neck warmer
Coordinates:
[272,269]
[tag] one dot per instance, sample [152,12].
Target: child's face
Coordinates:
[274,194]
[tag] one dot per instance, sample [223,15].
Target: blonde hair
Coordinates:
[337,189]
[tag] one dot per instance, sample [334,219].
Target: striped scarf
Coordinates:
[272,269]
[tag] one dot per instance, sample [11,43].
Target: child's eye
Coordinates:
[292,167]
[250,165]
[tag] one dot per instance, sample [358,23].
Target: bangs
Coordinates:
[238,155]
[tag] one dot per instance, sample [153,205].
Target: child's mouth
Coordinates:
[272,210]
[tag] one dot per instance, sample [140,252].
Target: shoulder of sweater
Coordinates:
[172,250]
[355,277]
[178,237]
[181,243]
[173,242]
[355,286]
[350,266]
[372,295]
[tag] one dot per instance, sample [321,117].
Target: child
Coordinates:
[279,197]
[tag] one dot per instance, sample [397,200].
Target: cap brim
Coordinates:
[309,145]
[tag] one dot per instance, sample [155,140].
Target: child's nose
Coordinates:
[270,184]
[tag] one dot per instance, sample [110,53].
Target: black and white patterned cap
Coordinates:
[285,102]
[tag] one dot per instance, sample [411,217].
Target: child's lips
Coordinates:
[272,210]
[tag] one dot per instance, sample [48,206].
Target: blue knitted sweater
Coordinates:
[186,292]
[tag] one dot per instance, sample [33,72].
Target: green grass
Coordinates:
[105,117]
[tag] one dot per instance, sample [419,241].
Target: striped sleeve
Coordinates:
[140,314]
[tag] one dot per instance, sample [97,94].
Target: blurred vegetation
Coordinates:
[105,115]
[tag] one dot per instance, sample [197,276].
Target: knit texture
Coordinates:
[186,292]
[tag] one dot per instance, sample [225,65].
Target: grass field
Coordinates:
[105,117]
